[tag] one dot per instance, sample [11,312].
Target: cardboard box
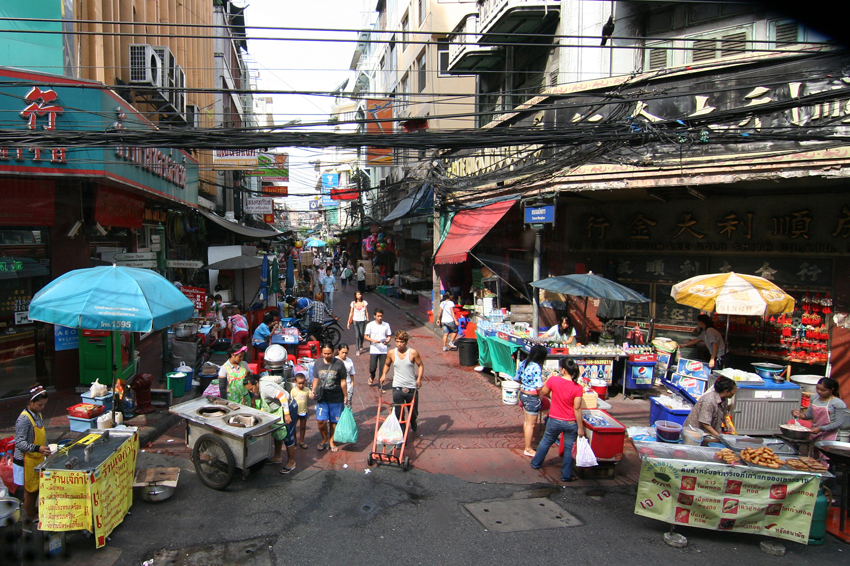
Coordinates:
[307,258]
[367,265]
[373,279]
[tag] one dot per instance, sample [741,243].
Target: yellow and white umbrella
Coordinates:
[733,293]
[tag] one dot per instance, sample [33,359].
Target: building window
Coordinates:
[423,72]
[443,56]
[405,25]
[423,11]
[657,56]
[722,44]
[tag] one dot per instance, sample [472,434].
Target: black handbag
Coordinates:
[319,393]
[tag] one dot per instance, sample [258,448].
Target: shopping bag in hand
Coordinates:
[390,432]
[584,454]
[346,428]
[6,473]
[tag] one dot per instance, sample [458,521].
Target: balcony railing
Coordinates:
[465,54]
[513,16]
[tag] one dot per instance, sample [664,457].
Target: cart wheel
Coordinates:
[370,460]
[406,464]
[214,461]
[333,336]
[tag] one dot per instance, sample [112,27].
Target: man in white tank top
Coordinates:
[408,370]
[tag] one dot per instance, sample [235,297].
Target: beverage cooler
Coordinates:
[761,408]
[100,349]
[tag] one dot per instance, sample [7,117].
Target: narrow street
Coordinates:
[467,459]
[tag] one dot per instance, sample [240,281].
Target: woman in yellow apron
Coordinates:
[30,449]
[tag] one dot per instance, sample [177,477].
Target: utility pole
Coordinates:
[535,318]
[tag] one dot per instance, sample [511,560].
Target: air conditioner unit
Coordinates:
[166,82]
[178,95]
[145,65]
[193,116]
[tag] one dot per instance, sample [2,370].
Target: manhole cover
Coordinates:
[515,515]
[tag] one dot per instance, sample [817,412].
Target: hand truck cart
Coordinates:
[395,453]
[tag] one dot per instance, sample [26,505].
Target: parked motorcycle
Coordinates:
[331,330]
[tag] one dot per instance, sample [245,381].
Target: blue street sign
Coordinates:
[540,214]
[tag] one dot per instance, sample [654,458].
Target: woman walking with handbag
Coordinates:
[359,315]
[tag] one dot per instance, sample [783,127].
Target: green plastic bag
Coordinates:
[346,428]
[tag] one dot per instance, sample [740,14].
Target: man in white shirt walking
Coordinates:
[448,320]
[378,334]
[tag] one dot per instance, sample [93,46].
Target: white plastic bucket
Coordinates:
[844,435]
[692,437]
[510,392]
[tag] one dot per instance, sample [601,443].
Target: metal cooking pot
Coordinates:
[10,510]
[838,451]
[275,353]
[186,330]
[154,492]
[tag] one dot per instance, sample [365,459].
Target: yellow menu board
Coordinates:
[112,489]
[64,501]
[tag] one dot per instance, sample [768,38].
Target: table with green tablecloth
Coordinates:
[497,354]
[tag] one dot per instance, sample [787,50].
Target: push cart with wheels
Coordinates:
[226,437]
[391,453]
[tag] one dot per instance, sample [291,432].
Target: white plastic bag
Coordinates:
[97,389]
[390,432]
[584,454]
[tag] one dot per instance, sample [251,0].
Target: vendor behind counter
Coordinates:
[710,413]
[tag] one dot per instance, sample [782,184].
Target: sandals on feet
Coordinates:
[321,447]
[286,470]
[529,454]
[334,448]
[303,445]
[574,478]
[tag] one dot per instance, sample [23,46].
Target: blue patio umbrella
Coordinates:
[111,298]
[592,286]
[290,276]
[315,243]
[117,299]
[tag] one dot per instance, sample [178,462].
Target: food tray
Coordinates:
[738,443]
[677,451]
[85,410]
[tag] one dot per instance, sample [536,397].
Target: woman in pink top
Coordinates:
[566,405]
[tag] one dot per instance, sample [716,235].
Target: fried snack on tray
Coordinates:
[763,456]
[813,464]
[727,456]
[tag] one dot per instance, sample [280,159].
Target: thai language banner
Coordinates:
[64,501]
[112,489]
[728,498]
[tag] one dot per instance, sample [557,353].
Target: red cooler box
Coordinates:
[605,433]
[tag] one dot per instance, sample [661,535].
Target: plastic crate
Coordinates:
[82,425]
[85,410]
[105,400]
[658,412]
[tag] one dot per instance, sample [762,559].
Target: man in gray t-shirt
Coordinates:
[408,370]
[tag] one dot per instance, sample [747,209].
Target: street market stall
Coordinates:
[694,486]
[88,485]
[226,436]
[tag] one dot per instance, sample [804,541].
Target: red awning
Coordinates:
[468,227]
